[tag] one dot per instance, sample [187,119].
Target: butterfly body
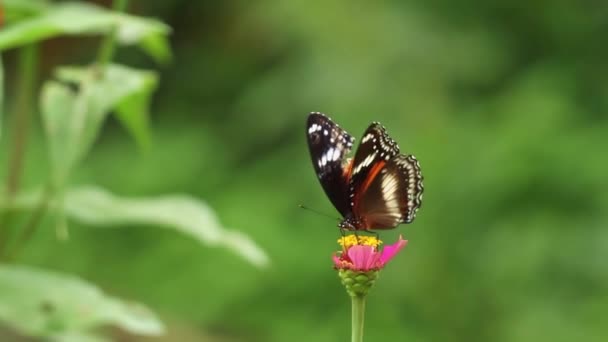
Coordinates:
[379,188]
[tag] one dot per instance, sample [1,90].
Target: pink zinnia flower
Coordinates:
[362,253]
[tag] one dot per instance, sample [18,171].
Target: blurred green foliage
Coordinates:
[503,103]
[74,105]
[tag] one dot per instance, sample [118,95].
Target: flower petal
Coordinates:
[389,251]
[364,257]
[336,260]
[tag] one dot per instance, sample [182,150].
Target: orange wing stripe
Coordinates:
[372,175]
[348,168]
[368,181]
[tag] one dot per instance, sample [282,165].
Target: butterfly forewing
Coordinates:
[375,150]
[393,195]
[329,144]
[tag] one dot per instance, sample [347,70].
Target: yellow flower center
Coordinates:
[352,240]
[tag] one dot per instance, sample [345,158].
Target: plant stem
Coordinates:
[29,228]
[358,318]
[26,73]
[108,45]
[27,70]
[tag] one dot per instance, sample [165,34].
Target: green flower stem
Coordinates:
[358,284]
[358,318]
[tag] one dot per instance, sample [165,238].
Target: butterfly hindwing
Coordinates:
[329,144]
[393,195]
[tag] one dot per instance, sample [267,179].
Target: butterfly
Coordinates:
[377,189]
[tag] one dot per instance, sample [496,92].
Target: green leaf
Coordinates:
[125,89]
[87,19]
[58,105]
[97,207]
[62,307]
[157,46]
[78,337]
[73,118]
[24,5]
[133,113]
[91,205]
[150,35]
[15,10]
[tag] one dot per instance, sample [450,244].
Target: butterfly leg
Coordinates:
[375,234]
[343,233]
[356,236]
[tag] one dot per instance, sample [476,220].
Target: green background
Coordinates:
[504,104]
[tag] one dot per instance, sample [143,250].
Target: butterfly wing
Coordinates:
[393,196]
[329,144]
[385,186]
[375,150]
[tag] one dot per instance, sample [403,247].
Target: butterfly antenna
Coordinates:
[318,212]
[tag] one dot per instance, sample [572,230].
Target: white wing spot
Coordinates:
[313,128]
[390,185]
[328,154]
[336,155]
[365,163]
[367,137]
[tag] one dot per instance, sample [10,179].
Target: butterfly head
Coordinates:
[349,224]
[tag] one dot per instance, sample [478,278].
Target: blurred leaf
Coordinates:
[95,206]
[53,305]
[91,205]
[29,5]
[122,88]
[133,113]
[149,34]
[69,18]
[158,47]
[72,119]
[88,19]
[58,103]
[63,125]
[78,337]
[15,10]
